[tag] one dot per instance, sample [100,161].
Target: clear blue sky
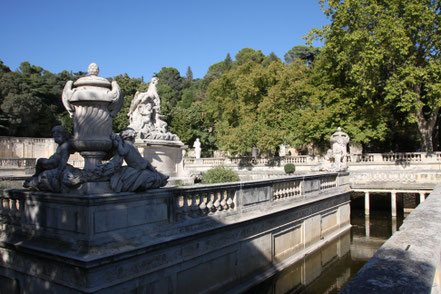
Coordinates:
[141,37]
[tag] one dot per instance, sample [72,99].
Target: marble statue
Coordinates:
[339,142]
[48,171]
[139,174]
[336,158]
[197,148]
[93,102]
[145,115]
[282,150]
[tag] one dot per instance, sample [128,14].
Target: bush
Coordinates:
[290,168]
[219,174]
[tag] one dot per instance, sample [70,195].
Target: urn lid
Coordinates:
[339,136]
[92,79]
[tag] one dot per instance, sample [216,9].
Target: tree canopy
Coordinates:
[383,57]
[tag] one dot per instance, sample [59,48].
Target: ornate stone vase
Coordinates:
[93,102]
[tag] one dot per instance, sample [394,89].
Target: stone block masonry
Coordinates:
[207,238]
[409,262]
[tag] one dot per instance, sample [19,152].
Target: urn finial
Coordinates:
[93,69]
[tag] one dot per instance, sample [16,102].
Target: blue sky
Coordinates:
[141,37]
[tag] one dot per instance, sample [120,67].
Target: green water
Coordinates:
[328,269]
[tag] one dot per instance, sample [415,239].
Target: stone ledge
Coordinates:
[409,261]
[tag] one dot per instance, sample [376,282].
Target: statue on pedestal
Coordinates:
[93,102]
[197,148]
[335,158]
[145,115]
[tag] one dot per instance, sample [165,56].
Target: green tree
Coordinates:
[217,69]
[189,75]
[383,57]
[247,54]
[254,105]
[27,115]
[272,57]
[305,53]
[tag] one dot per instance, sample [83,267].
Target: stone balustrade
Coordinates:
[17,163]
[240,232]
[219,201]
[231,198]
[304,163]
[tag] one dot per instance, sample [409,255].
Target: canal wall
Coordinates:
[408,262]
[224,237]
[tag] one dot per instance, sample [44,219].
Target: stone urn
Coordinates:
[93,102]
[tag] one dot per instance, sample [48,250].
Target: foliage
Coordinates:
[254,105]
[29,95]
[220,174]
[305,53]
[382,58]
[289,168]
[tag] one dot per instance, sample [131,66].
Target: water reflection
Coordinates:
[327,270]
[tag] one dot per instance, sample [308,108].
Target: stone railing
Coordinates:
[304,162]
[17,163]
[203,200]
[155,210]
[410,261]
[21,147]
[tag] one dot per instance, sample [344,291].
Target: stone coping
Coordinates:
[409,261]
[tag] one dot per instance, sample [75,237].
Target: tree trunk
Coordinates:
[425,126]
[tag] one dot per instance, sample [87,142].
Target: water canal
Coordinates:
[328,269]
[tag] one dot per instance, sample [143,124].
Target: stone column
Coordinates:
[422,197]
[394,225]
[394,203]
[367,225]
[366,203]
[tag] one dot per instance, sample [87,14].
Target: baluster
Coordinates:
[180,202]
[6,207]
[194,208]
[231,199]
[223,202]
[210,202]
[291,189]
[203,203]
[216,204]
[275,192]
[14,210]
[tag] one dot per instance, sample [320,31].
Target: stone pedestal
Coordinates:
[167,157]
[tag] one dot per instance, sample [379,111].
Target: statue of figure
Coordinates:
[142,98]
[335,158]
[197,148]
[339,141]
[145,115]
[139,174]
[282,150]
[49,171]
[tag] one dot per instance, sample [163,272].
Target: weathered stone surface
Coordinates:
[152,240]
[409,262]
[146,118]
